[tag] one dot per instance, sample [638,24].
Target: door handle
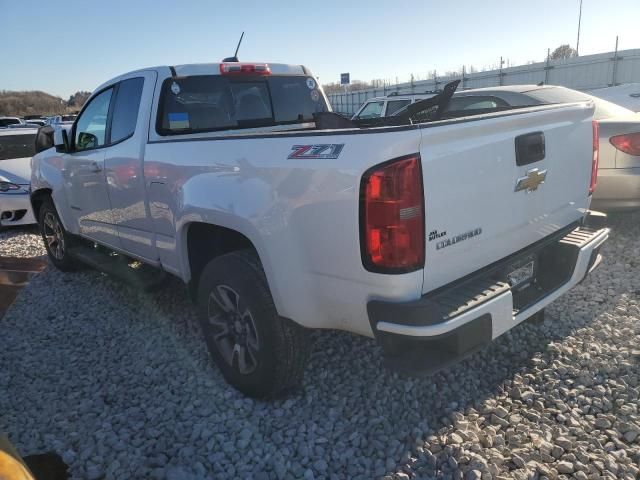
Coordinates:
[96,167]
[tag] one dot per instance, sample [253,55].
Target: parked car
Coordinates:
[619,134]
[36,121]
[17,146]
[387,106]
[9,121]
[627,95]
[433,239]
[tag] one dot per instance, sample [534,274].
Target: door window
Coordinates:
[125,109]
[394,105]
[371,110]
[91,128]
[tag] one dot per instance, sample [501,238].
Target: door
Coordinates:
[124,164]
[86,185]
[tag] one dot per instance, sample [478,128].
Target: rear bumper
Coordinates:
[444,326]
[618,189]
[15,209]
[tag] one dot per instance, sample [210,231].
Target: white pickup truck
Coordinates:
[433,237]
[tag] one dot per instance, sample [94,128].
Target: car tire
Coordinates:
[258,352]
[57,240]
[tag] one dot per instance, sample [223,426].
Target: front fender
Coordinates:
[47,174]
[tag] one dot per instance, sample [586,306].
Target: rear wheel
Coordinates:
[258,352]
[57,240]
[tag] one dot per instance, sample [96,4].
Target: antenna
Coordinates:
[235,55]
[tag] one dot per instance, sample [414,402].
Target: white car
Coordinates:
[17,146]
[432,236]
[627,96]
[387,106]
[10,121]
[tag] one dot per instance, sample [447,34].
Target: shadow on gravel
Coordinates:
[138,396]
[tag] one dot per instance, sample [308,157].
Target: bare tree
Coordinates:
[564,51]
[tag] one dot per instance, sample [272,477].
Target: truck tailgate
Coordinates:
[478,208]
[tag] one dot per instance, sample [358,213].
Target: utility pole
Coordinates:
[578,40]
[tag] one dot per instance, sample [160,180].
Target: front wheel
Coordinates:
[57,240]
[258,352]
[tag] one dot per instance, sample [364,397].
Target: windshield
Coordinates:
[17,146]
[205,103]
[604,109]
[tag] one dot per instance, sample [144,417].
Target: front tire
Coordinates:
[258,352]
[57,240]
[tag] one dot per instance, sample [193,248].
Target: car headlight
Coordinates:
[8,186]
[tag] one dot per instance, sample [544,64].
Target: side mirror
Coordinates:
[44,138]
[87,141]
[61,140]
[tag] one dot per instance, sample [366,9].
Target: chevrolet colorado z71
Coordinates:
[433,236]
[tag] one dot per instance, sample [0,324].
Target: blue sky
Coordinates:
[68,45]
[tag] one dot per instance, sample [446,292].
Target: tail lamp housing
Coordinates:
[595,157]
[392,235]
[628,143]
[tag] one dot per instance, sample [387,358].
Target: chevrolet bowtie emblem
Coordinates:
[531,181]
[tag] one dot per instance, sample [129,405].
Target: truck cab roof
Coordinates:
[192,69]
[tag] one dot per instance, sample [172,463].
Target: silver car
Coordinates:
[17,146]
[619,163]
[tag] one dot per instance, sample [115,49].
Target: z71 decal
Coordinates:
[323,151]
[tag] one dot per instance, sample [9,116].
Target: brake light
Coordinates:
[245,69]
[596,154]
[392,217]
[627,143]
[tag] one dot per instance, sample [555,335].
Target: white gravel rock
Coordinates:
[21,242]
[120,384]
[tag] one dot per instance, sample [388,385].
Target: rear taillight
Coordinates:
[245,69]
[594,159]
[392,217]
[627,143]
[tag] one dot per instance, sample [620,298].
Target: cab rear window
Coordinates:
[206,103]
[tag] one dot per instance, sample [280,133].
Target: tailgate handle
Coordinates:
[529,148]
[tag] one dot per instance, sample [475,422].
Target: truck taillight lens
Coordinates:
[628,143]
[594,160]
[392,217]
[245,69]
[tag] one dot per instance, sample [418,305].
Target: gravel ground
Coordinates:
[21,242]
[119,383]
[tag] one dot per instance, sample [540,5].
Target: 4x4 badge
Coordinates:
[531,181]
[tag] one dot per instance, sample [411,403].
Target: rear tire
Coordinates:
[258,352]
[57,240]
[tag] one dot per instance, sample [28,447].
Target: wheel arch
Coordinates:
[37,199]
[201,242]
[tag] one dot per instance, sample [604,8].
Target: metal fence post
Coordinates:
[615,65]
[547,67]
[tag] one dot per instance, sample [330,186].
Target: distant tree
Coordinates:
[76,101]
[564,51]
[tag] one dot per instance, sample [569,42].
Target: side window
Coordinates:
[371,110]
[394,105]
[125,109]
[91,127]
[475,102]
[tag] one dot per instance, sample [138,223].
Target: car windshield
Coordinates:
[17,146]
[604,109]
[205,103]
[5,122]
